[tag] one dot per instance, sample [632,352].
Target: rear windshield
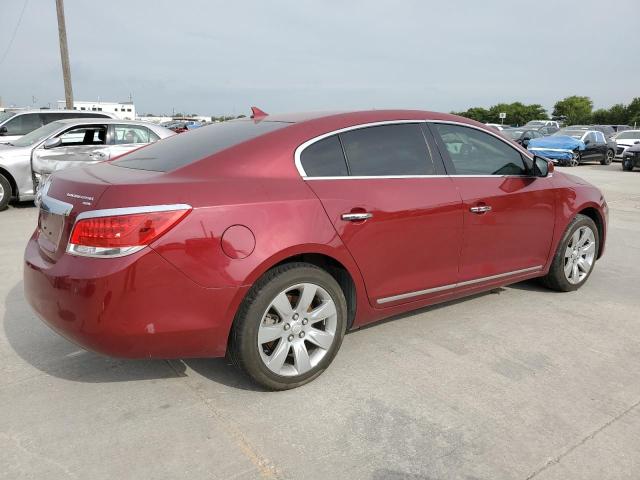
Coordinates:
[185,148]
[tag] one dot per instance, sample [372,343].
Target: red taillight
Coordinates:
[116,234]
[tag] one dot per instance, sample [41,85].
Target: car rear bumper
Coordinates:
[138,306]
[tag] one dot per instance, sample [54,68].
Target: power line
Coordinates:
[15,31]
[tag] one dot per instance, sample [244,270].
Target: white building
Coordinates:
[123,110]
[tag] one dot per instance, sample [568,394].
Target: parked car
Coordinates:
[624,140]
[268,238]
[497,126]
[620,128]
[14,124]
[631,157]
[182,126]
[542,123]
[522,135]
[65,143]
[572,146]
[606,129]
[548,130]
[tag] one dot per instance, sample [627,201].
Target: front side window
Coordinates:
[474,152]
[128,134]
[23,124]
[589,137]
[386,150]
[324,158]
[600,138]
[92,135]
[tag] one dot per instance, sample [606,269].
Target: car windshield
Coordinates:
[513,133]
[37,135]
[6,115]
[628,135]
[577,134]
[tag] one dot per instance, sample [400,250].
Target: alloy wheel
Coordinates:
[297,329]
[610,156]
[579,255]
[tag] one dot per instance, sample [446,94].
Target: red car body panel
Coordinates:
[252,210]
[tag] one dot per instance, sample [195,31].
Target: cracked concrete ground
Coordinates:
[521,383]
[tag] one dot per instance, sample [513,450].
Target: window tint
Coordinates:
[398,149]
[591,137]
[180,150]
[474,152]
[324,158]
[23,124]
[127,134]
[93,135]
[600,137]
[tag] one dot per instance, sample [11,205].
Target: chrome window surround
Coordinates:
[302,147]
[418,293]
[114,252]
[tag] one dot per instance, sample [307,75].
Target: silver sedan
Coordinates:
[26,162]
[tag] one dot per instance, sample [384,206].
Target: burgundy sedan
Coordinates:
[268,238]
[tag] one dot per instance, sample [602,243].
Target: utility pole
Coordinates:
[64,55]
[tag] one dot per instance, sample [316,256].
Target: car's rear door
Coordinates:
[399,216]
[509,215]
[127,137]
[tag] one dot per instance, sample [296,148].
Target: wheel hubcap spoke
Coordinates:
[306,298]
[301,358]
[279,355]
[282,305]
[320,338]
[269,333]
[323,311]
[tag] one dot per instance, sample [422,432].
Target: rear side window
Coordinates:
[324,158]
[185,148]
[23,124]
[386,150]
[474,152]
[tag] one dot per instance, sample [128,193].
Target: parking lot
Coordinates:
[518,383]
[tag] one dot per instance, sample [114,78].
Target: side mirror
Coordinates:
[52,142]
[3,130]
[587,141]
[542,167]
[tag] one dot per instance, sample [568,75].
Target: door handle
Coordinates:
[356,217]
[480,209]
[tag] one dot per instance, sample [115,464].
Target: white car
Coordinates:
[16,123]
[27,162]
[497,126]
[624,140]
[542,123]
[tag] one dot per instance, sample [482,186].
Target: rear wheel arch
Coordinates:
[329,263]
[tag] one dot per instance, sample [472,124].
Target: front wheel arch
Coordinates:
[594,215]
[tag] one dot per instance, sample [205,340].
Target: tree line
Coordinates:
[573,110]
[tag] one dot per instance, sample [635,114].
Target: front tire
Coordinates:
[289,327]
[5,192]
[627,164]
[575,258]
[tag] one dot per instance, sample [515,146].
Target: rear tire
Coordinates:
[289,327]
[627,165]
[575,257]
[608,158]
[6,192]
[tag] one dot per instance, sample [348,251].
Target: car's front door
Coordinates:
[79,146]
[509,215]
[398,215]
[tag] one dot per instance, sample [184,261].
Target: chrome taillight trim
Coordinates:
[115,252]
[109,212]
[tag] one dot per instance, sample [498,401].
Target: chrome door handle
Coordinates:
[355,217]
[481,209]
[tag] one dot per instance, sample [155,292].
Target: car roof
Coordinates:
[92,120]
[51,110]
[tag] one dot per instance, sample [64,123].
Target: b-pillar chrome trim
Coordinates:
[442,288]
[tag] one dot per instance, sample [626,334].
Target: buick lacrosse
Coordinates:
[267,238]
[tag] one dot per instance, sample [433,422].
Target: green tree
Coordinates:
[633,112]
[575,109]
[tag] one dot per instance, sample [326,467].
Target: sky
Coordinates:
[220,57]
